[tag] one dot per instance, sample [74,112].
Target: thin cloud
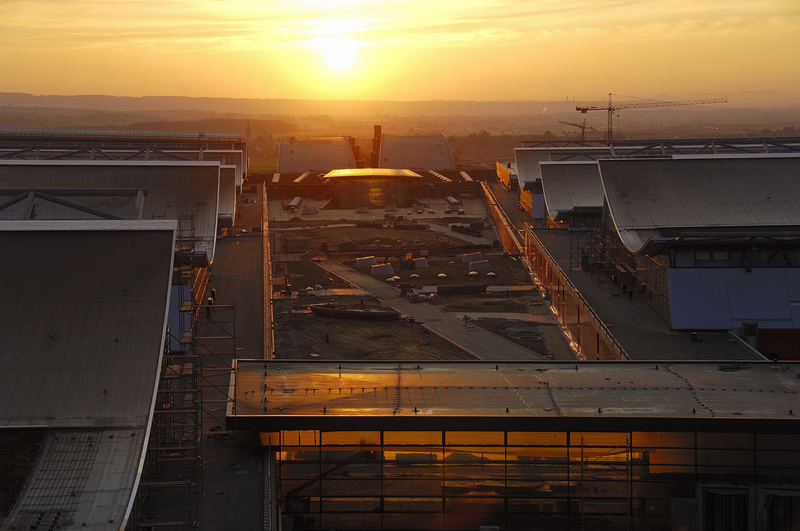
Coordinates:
[251,25]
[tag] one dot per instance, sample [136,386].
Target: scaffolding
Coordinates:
[635,273]
[172,475]
[192,388]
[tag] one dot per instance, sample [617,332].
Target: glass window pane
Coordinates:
[300,437]
[351,437]
[532,438]
[663,439]
[475,437]
[588,438]
[412,437]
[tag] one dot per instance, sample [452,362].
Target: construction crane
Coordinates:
[612,107]
[582,126]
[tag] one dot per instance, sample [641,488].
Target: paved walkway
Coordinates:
[479,342]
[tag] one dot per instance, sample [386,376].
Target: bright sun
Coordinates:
[339,51]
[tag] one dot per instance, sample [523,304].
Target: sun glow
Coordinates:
[339,51]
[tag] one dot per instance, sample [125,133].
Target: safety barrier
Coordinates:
[590,337]
[269,329]
[505,228]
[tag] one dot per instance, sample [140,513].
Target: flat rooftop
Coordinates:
[639,328]
[280,394]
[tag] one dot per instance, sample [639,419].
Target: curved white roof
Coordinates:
[174,189]
[228,157]
[645,195]
[528,159]
[298,155]
[426,152]
[567,185]
[80,356]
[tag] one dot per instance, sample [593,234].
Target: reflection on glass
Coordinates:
[543,481]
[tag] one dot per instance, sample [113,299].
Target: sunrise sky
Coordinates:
[400,50]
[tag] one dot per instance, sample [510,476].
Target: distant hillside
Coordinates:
[291,107]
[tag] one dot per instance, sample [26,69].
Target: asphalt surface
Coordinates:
[233,481]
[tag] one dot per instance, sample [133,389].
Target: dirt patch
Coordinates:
[306,336]
[304,274]
[489,302]
[364,235]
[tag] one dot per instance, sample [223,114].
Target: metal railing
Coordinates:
[590,336]
[269,329]
[505,227]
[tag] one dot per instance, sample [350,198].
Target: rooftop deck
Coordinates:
[279,394]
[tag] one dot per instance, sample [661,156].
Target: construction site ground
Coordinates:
[473,208]
[521,317]
[508,272]
[335,235]
[302,275]
[302,335]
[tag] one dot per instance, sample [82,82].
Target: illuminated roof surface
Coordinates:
[361,173]
[532,390]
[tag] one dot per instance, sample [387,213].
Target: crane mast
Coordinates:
[612,107]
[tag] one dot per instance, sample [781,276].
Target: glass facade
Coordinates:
[536,480]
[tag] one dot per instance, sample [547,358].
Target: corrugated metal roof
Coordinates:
[232,157]
[645,195]
[426,152]
[567,185]
[84,313]
[83,320]
[298,155]
[174,189]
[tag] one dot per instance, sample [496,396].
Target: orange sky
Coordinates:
[400,50]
